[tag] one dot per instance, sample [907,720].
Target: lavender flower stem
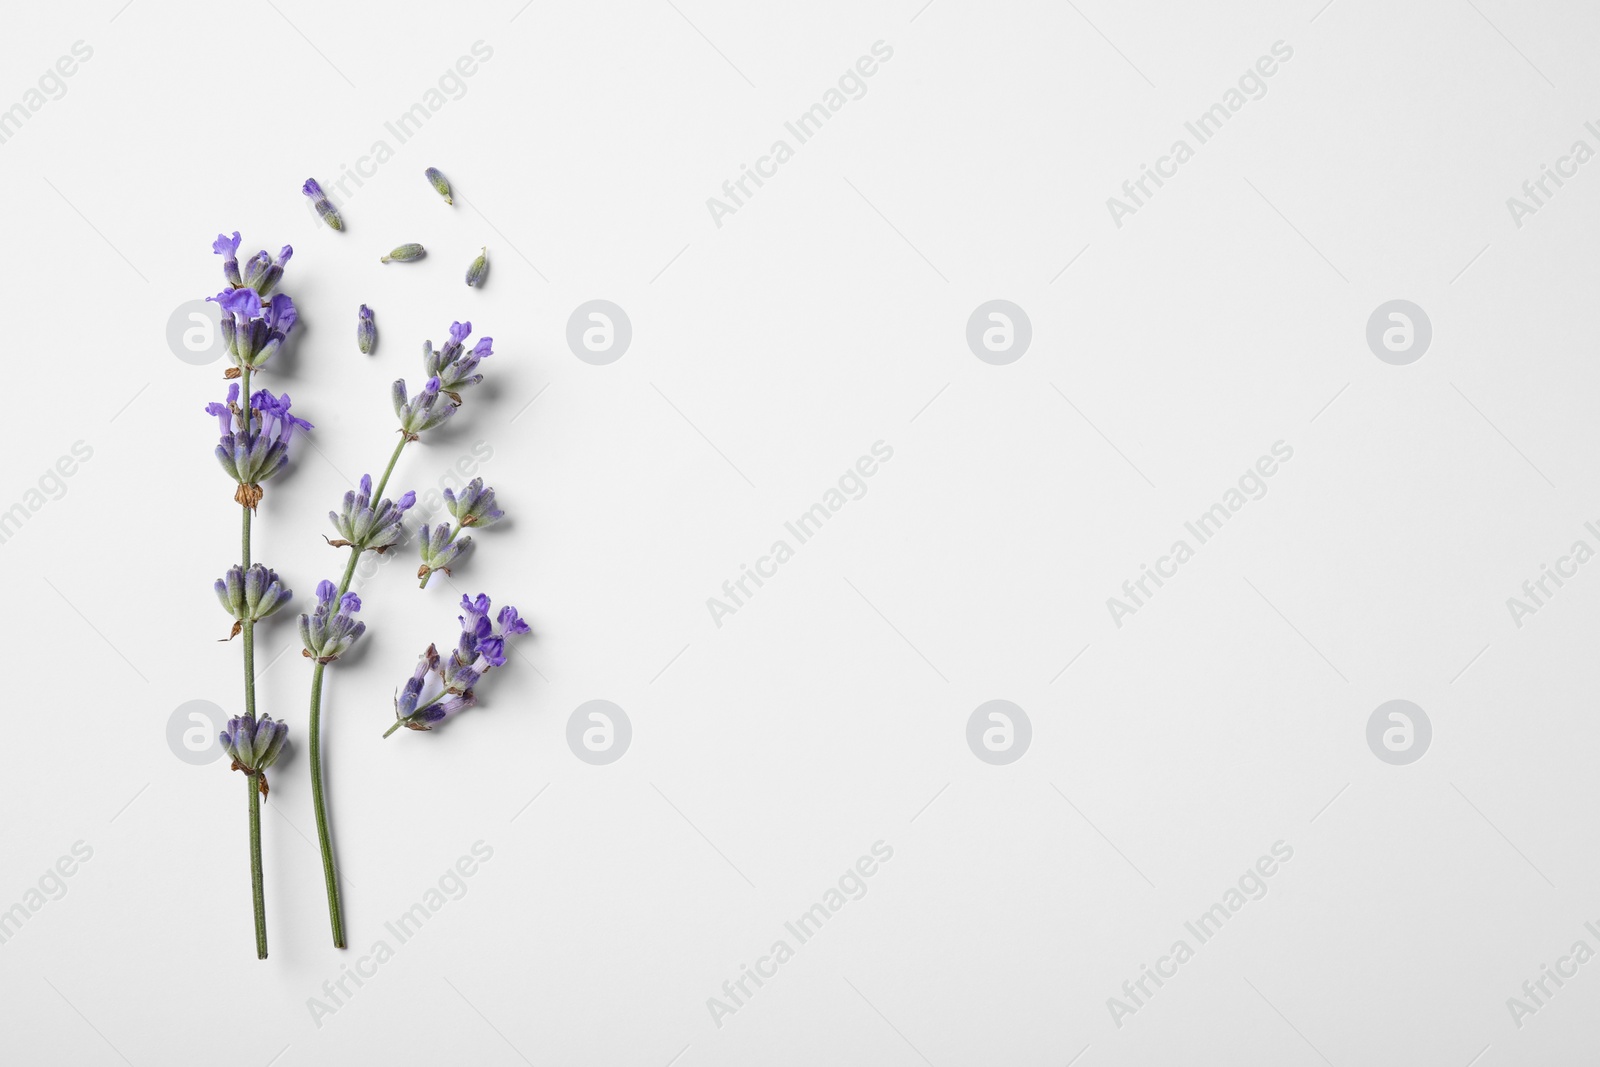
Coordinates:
[330,875]
[257,880]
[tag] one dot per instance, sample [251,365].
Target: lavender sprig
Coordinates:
[481,648]
[366,526]
[440,544]
[253,446]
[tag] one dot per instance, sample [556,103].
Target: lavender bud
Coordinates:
[256,270]
[405,254]
[479,269]
[269,278]
[325,208]
[439,182]
[366,331]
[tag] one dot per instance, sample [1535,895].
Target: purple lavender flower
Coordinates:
[511,622]
[255,442]
[422,412]
[325,208]
[228,248]
[254,746]
[365,524]
[329,631]
[254,330]
[250,595]
[366,331]
[480,649]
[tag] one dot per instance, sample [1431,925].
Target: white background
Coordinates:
[768,354]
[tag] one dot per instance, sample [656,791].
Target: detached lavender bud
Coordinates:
[475,506]
[254,746]
[325,208]
[367,525]
[331,629]
[439,182]
[479,269]
[405,254]
[366,331]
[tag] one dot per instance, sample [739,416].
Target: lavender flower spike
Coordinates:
[255,441]
[423,411]
[366,331]
[452,364]
[250,595]
[440,548]
[366,524]
[324,206]
[254,746]
[475,506]
[329,631]
[480,650]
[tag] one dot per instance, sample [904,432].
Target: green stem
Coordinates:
[392,729]
[330,874]
[257,881]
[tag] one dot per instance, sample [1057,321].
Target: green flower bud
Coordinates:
[479,269]
[405,254]
[439,182]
